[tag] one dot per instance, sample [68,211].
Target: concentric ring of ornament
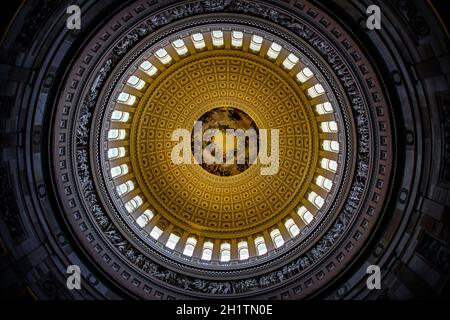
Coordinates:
[186,208]
[325,247]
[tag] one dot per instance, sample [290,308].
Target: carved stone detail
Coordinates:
[360,108]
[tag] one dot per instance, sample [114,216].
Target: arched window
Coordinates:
[180,47]
[208,247]
[328,164]
[225,252]
[217,38]
[198,40]
[243,250]
[115,134]
[292,228]
[136,82]
[274,50]
[119,170]
[290,61]
[324,183]
[116,153]
[163,56]
[189,248]
[260,245]
[330,126]
[126,98]
[316,91]
[156,233]
[304,75]
[315,199]
[125,187]
[133,204]
[256,43]
[305,215]
[330,145]
[172,241]
[277,238]
[324,108]
[120,116]
[237,38]
[145,218]
[148,68]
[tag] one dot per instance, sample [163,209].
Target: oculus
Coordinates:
[225,142]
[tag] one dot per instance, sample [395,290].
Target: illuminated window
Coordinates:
[133,204]
[290,61]
[315,199]
[180,47]
[119,170]
[324,183]
[237,39]
[136,82]
[329,126]
[324,108]
[116,134]
[207,250]
[217,38]
[190,246]
[316,91]
[243,250]
[163,56]
[304,75]
[330,145]
[256,43]
[277,238]
[274,51]
[172,241]
[156,233]
[116,153]
[148,68]
[145,218]
[329,165]
[225,252]
[292,228]
[260,246]
[198,40]
[305,215]
[120,116]
[126,98]
[125,187]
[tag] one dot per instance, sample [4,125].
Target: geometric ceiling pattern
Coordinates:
[351,145]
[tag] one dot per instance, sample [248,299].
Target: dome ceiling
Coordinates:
[186,202]
[182,225]
[145,170]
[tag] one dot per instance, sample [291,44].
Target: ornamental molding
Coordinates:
[370,116]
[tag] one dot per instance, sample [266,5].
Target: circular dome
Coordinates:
[190,76]
[106,129]
[153,215]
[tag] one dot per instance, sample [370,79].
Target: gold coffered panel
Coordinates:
[196,200]
[186,207]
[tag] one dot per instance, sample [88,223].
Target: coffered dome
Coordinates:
[238,149]
[265,224]
[236,217]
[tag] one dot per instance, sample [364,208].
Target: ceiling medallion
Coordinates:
[234,154]
[212,228]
